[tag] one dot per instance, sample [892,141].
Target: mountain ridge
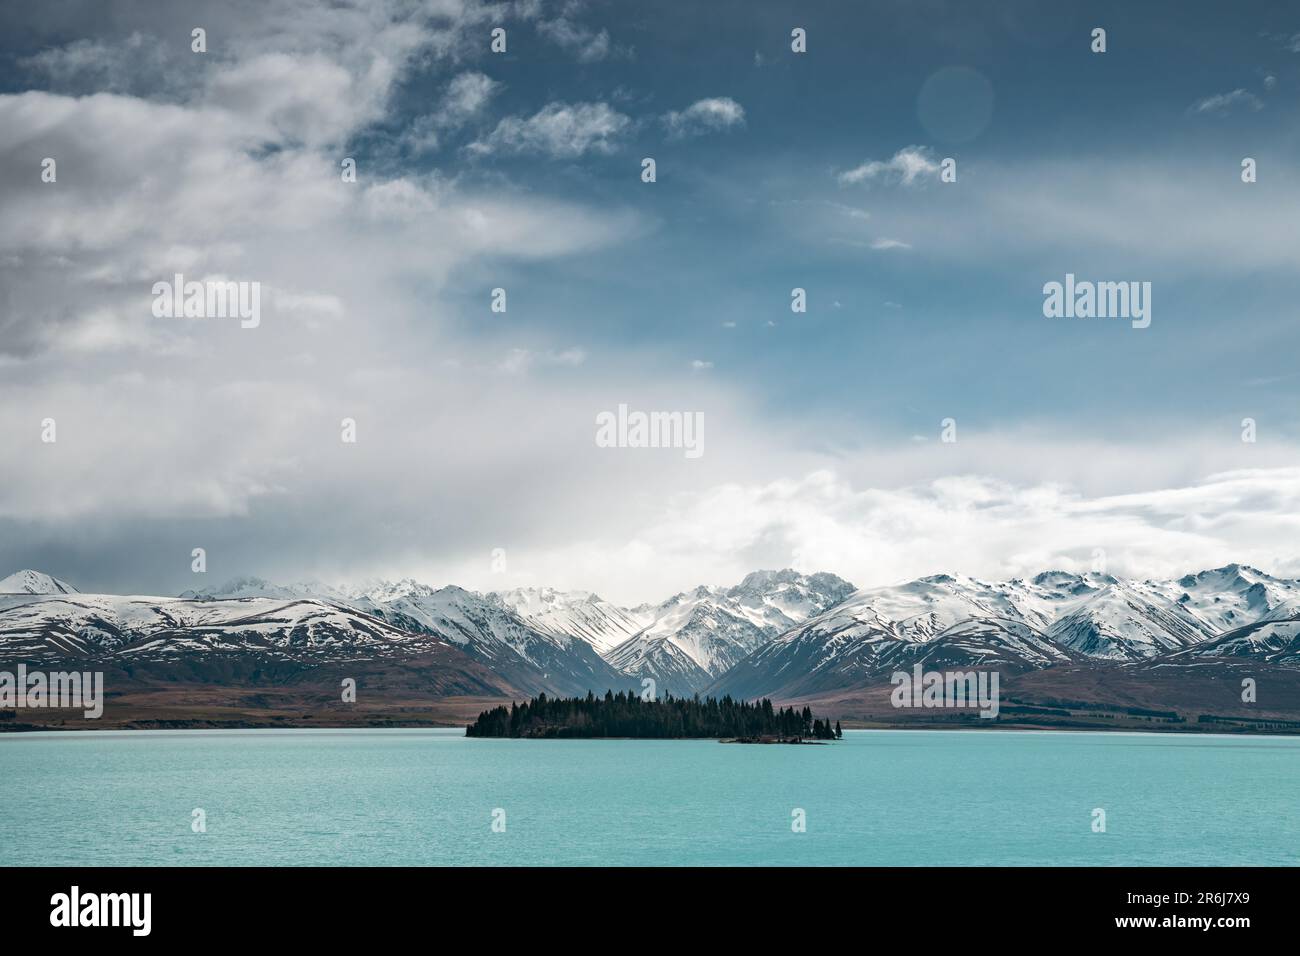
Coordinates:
[777,633]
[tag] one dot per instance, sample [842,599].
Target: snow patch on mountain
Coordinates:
[578,614]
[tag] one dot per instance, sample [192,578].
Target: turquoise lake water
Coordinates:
[375,797]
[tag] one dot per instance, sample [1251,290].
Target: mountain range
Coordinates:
[782,634]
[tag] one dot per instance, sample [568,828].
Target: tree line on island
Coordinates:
[629,715]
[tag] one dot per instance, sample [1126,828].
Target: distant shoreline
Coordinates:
[147,725]
[1202,701]
[318,729]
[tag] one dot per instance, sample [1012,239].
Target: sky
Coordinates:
[1078,440]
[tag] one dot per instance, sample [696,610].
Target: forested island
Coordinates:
[628,715]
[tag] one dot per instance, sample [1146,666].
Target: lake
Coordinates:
[427,797]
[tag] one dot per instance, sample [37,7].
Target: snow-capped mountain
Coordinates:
[693,637]
[305,624]
[777,633]
[696,636]
[1054,618]
[577,638]
[1232,596]
[34,582]
[1127,622]
[574,613]
[1270,641]
[777,600]
[876,631]
[161,641]
[1274,637]
[534,658]
[1136,620]
[530,658]
[102,626]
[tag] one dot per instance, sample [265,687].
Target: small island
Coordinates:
[628,715]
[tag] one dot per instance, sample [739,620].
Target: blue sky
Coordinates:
[740,216]
[521,171]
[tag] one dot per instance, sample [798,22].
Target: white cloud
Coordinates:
[587,45]
[704,116]
[521,360]
[77,259]
[1123,214]
[561,130]
[310,99]
[890,244]
[466,98]
[976,525]
[906,167]
[235,431]
[1227,102]
[468,94]
[138,61]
